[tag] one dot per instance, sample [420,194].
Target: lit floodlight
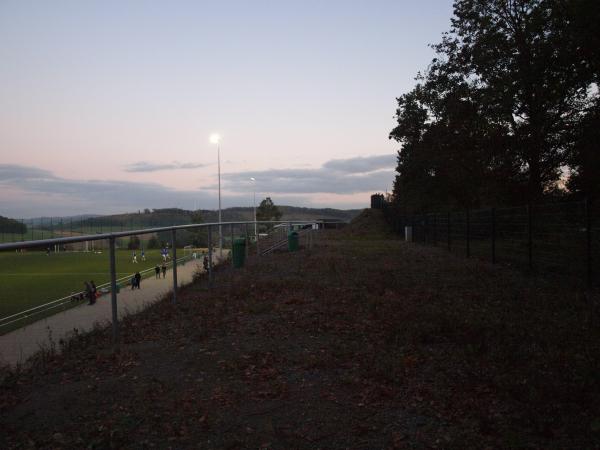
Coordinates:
[215,138]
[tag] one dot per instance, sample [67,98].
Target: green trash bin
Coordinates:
[239,252]
[293,244]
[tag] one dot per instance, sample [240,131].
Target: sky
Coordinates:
[108,106]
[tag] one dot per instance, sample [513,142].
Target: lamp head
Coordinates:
[214,138]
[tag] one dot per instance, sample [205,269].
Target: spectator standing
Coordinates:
[138,279]
[94,291]
[157,271]
[88,293]
[164,270]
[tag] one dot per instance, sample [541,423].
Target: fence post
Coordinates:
[493,235]
[247,246]
[113,291]
[448,230]
[231,247]
[468,233]
[257,244]
[588,226]
[210,257]
[529,235]
[174,246]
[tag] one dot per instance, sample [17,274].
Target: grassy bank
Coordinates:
[358,343]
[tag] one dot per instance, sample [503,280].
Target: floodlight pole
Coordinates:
[220,227]
[254,203]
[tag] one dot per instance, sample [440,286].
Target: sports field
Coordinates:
[32,278]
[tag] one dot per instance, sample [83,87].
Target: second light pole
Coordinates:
[216,139]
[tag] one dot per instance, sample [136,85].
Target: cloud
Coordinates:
[338,176]
[144,166]
[30,191]
[38,188]
[12,172]
[362,164]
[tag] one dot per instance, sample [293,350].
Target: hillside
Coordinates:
[175,216]
[355,343]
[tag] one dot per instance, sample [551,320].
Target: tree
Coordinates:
[511,52]
[12,226]
[267,211]
[197,217]
[199,236]
[510,100]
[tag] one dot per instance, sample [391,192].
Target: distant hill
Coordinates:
[176,216]
[38,221]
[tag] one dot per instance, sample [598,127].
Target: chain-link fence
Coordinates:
[557,239]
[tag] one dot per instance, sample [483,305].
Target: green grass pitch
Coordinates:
[30,279]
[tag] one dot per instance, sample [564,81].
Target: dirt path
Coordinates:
[18,345]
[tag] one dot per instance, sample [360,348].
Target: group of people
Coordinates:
[135,281]
[164,252]
[158,270]
[134,257]
[91,292]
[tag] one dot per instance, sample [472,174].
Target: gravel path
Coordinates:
[18,345]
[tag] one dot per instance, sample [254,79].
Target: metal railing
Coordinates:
[112,238]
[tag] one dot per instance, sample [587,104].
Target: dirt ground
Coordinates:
[356,343]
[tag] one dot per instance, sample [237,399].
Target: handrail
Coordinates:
[120,234]
[112,237]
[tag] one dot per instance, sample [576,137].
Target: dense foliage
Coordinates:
[507,112]
[12,226]
[267,210]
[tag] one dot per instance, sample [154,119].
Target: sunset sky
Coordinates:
[108,106]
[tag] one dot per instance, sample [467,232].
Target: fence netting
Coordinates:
[556,239]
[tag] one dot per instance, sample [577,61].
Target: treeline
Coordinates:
[12,226]
[508,111]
